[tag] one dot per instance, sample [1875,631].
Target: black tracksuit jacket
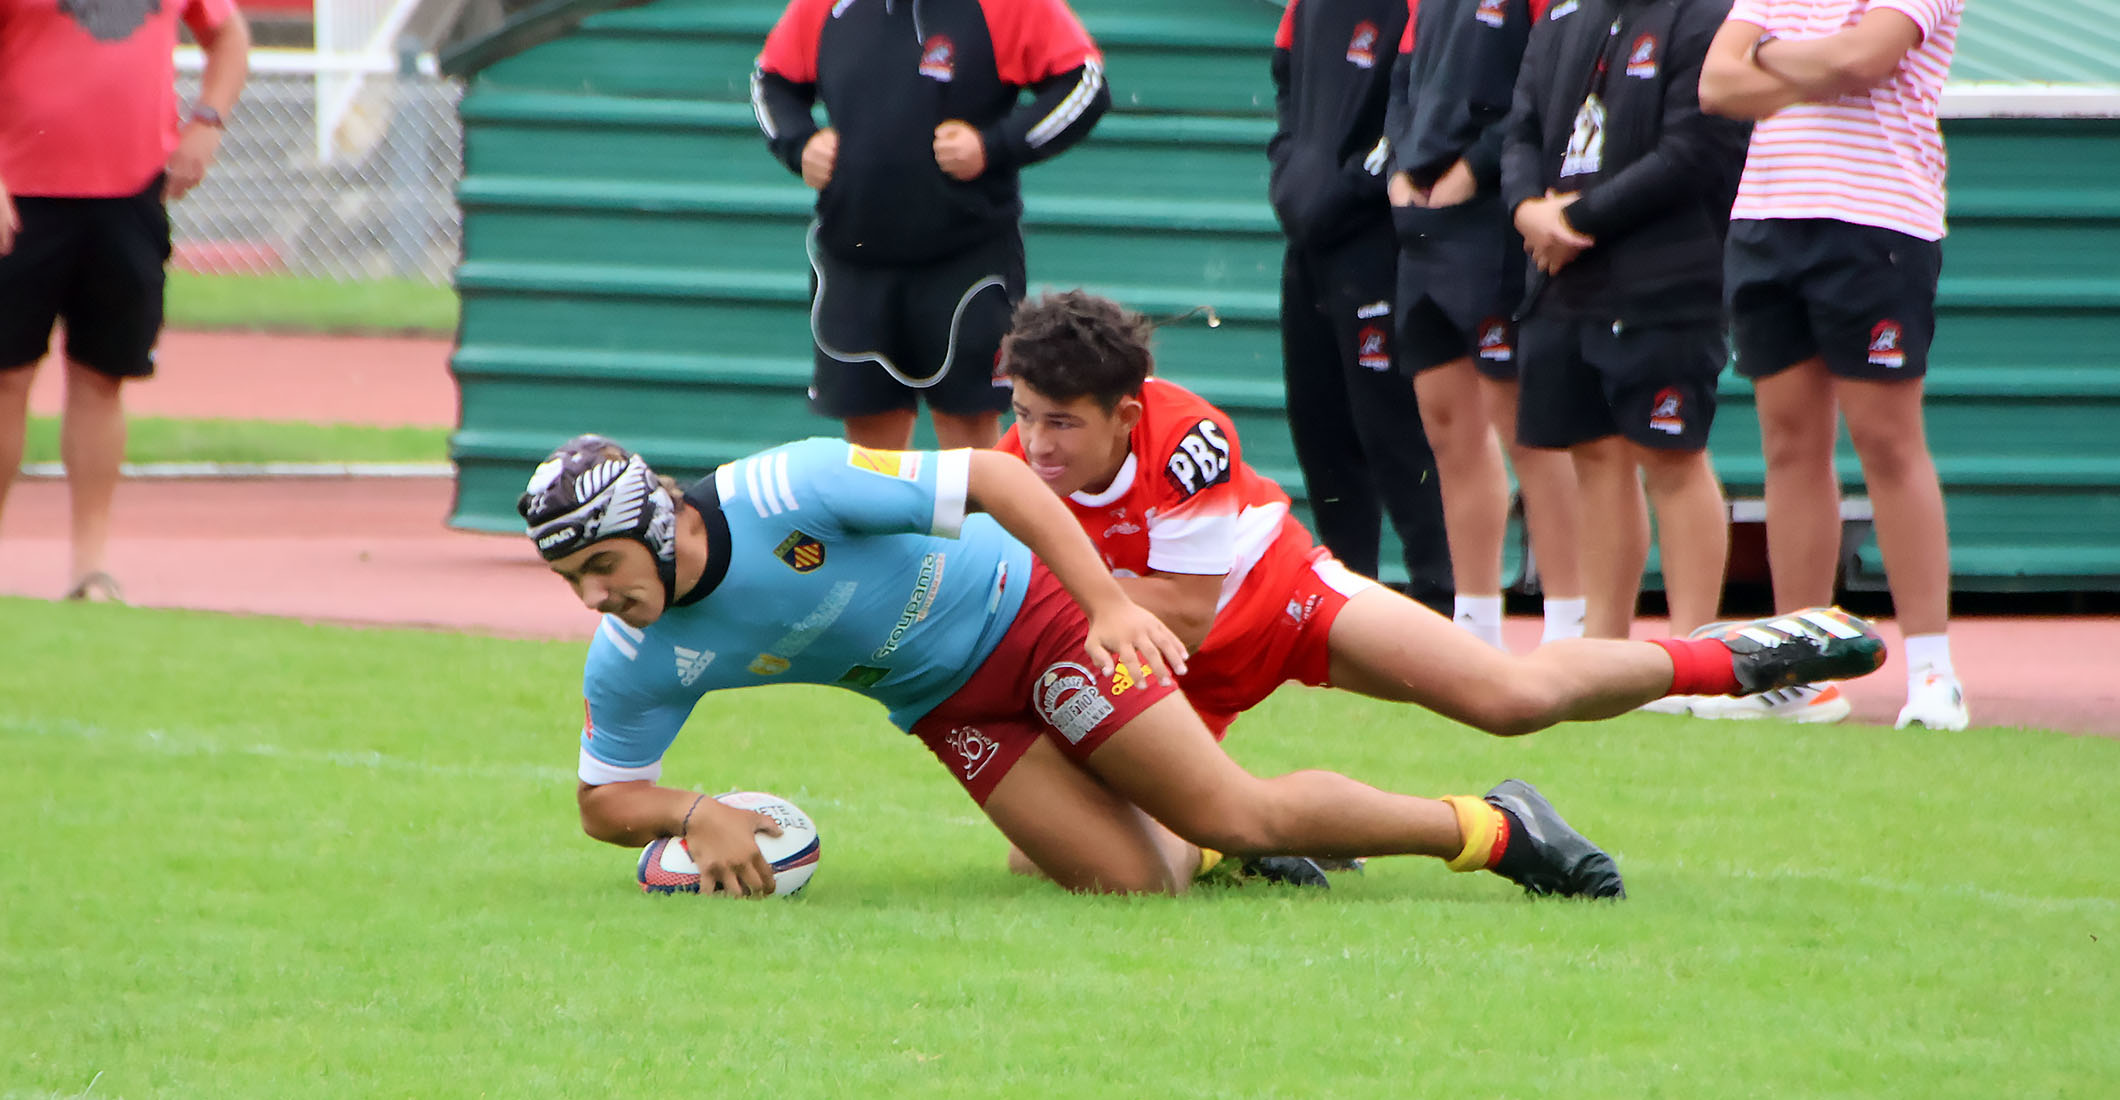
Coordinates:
[889,72]
[1332,64]
[1451,93]
[1658,205]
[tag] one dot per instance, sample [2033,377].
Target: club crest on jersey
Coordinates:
[768,664]
[938,58]
[1068,699]
[1641,60]
[801,552]
[1887,347]
[1362,48]
[1495,346]
[1372,348]
[1201,459]
[1668,414]
[1494,13]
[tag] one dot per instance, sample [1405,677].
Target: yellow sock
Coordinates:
[1480,824]
[1208,858]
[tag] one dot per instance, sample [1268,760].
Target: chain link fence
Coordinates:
[370,193]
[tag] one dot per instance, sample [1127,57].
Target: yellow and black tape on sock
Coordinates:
[1485,830]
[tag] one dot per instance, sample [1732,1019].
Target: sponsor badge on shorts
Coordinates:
[1668,414]
[1068,699]
[1887,347]
[975,750]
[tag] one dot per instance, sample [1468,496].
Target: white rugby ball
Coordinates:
[665,866]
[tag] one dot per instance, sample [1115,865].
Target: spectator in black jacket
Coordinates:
[1461,277]
[1621,187]
[918,244]
[1356,427]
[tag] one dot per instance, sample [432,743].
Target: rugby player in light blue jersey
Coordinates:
[998,639]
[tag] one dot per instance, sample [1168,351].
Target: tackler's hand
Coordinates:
[1130,633]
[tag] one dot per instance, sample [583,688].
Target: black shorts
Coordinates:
[1461,276]
[887,337]
[96,264]
[1584,380]
[1861,297]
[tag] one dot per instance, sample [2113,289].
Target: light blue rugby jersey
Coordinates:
[843,566]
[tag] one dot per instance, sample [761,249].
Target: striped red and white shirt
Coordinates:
[1871,158]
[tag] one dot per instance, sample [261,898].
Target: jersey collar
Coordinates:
[705,495]
[1122,483]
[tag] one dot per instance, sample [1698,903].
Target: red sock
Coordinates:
[1699,666]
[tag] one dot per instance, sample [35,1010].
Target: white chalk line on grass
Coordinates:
[180,742]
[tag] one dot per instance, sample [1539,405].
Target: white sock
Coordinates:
[1926,654]
[1483,616]
[1564,618]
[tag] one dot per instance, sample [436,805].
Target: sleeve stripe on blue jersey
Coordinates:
[768,485]
[596,773]
[750,487]
[953,483]
[780,480]
[615,633]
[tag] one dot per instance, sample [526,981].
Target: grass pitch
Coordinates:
[164,439]
[250,858]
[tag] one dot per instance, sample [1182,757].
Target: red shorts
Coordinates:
[1038,682]
[1278,629]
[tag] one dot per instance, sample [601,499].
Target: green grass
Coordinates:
[152,439]
[288,303]
[250,858]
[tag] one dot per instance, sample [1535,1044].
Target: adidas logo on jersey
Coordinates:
[691,662]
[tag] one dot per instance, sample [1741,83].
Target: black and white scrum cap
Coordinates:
[592,489]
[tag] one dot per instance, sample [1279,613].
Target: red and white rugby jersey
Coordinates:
[1871,158]
[1186,502]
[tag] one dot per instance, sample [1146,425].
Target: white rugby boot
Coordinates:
[1934,701]
[1803,704]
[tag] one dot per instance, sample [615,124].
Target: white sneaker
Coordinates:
[1803,704]
[1936,702]
[1680,705]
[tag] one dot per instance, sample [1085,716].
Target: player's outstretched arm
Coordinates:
[1003,487]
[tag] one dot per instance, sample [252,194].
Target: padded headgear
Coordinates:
[592,489]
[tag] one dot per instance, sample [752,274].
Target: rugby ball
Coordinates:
[665,866]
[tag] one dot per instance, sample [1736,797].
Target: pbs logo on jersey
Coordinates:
[665,866]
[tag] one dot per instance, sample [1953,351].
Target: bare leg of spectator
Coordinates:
[92,443]
[1803,489]
[1615,534]
[1693,532]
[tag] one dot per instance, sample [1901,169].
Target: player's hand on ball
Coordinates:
[1132,634]
[723,842]
[959,151]
[819,155]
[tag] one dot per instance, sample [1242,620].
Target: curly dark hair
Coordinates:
[1073,343]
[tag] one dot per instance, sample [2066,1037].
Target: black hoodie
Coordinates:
[1656,174]
[1332,64]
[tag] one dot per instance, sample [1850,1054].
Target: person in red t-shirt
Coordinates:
[1158,479]
[92,146]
